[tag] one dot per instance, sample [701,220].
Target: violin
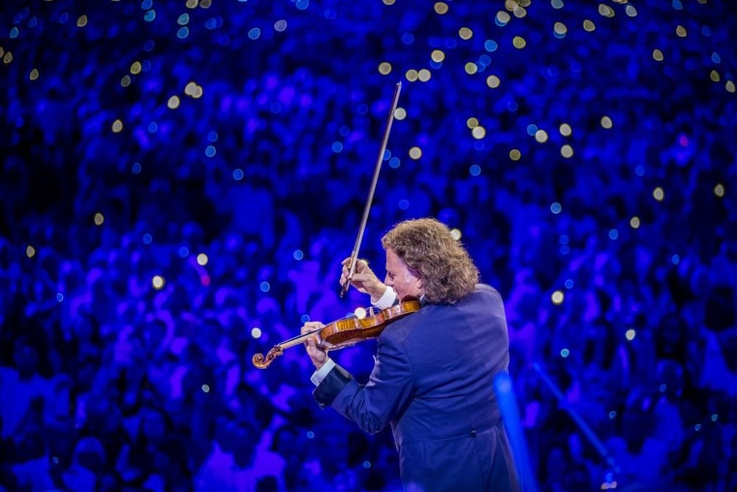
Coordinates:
[344,332]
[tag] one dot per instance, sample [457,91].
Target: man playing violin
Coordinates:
[434,372]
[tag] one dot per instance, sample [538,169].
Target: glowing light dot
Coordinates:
[566,151]
[493,81]
[605,10]
[256,332]
[606,122]
[205,388]
[415,153]
[681,32]
[298,254]
[471,68]
[99,219]
[560,28]
[136,68]
[520,12]
[190,89]
[117,126]
[635,222]
[729,86]
[465,33]
[411,75]
[388,2]
[437,56]
[8,57]
[714,76]
[658,194]
[173,102]
[33,75]
[502,18]
[714,417]
[125,81]
[59,297]
[515,154]
[400,114]
[265,286]
[565,353]
[557,4]
[30,251]
[424,75]
[197,92]
[191,4]
[205,4]
[657,55]
[82,21]
[157,282]
[280,25]
[479,132]
[360,313]
[456,233]
[202,259]
[556,208]
[385,68]
[519,42]
[565,130]
[630,334]
[441,8]
[541,136]
[472,123]
[719,190]
[630,10]
[557,297]
[589,26]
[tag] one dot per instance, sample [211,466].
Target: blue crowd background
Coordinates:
[180,181]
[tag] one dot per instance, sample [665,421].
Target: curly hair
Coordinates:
[427,246]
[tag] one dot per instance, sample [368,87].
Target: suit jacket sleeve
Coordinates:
[373,405]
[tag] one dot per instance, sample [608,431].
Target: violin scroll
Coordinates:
[262,362]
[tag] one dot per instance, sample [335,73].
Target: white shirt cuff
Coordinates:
[387,299]
[322,373]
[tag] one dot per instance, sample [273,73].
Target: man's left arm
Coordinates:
[373,405]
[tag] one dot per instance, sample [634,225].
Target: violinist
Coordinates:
[434,372]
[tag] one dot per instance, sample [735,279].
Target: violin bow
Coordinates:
[367,207]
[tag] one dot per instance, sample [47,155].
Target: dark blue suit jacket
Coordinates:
[433,383]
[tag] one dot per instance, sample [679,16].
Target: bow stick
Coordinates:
[367,207]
